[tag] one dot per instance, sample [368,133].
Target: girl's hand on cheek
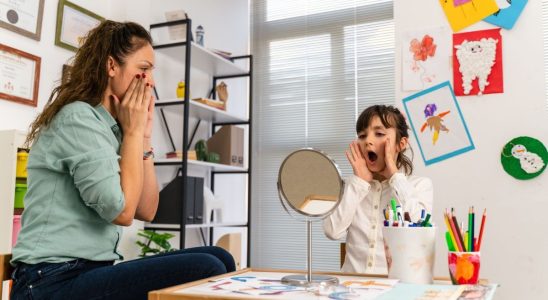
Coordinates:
[389,159]
[357,160]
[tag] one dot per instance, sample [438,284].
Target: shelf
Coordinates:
[199,163]
[201,111]
[203,59]
[188,226]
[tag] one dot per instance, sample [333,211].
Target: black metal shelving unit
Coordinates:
[187,140]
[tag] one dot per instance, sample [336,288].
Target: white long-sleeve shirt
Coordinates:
[359,216]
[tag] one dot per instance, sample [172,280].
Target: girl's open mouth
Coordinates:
[372,156]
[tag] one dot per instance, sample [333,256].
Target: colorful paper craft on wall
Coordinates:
[437,123]
[524,157]
[508,13]
[477,62]
[460,2]
[425,58]
[466,14]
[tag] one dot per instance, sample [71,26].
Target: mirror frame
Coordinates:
[284,199]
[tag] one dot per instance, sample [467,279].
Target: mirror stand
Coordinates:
[308,279]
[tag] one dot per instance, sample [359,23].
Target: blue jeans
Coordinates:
[85,279]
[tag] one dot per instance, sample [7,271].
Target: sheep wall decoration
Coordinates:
[477,62]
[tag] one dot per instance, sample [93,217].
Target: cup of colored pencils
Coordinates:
[464,247]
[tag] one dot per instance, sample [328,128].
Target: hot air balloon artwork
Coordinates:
[437,122]
[434,122]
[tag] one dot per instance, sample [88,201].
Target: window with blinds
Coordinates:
[318,64]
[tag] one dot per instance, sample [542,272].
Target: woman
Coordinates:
[90,172]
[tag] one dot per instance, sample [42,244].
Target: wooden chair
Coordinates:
[5,269]
[343,253]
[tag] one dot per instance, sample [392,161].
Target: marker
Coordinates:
[393,203]
[425,222]
[390,216]
[399,211]
[449,241]
[407,217]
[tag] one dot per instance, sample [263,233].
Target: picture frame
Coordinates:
[173,33]
[22,17]
[19,76]
[437,122]
[73,24]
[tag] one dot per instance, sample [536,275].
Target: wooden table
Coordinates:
[264,284]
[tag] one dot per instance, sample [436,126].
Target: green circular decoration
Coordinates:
[524,157]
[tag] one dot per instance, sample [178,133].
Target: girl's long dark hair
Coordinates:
[391,117]
[88,76]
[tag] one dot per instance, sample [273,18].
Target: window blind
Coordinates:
[318,64]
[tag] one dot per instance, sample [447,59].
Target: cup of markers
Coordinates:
[409,246]
[464,248]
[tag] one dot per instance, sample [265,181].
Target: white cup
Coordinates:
[410,253]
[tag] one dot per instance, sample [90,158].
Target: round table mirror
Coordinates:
[310,188]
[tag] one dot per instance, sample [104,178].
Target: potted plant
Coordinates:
[155,243]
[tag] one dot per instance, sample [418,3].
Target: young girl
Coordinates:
[381,172]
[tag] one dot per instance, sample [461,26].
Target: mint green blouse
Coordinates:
[74,190]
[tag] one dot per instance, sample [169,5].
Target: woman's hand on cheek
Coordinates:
[150,114]
[357,160]
[389,159]
[133,108]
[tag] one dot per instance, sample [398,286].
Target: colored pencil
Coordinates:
[455,233]
[449,229]
[470,236]
[481,229]
[466,241]
[459,234]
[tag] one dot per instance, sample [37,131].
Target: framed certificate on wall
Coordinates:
[19,76]
[22,16]
[73,24]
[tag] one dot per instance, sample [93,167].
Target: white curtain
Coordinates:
[318,64]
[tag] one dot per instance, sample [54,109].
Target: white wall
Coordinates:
[17,116]
[515,244]
[226,26]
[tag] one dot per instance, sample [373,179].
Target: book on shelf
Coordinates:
[212,102]
[222,53]
[179,154]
